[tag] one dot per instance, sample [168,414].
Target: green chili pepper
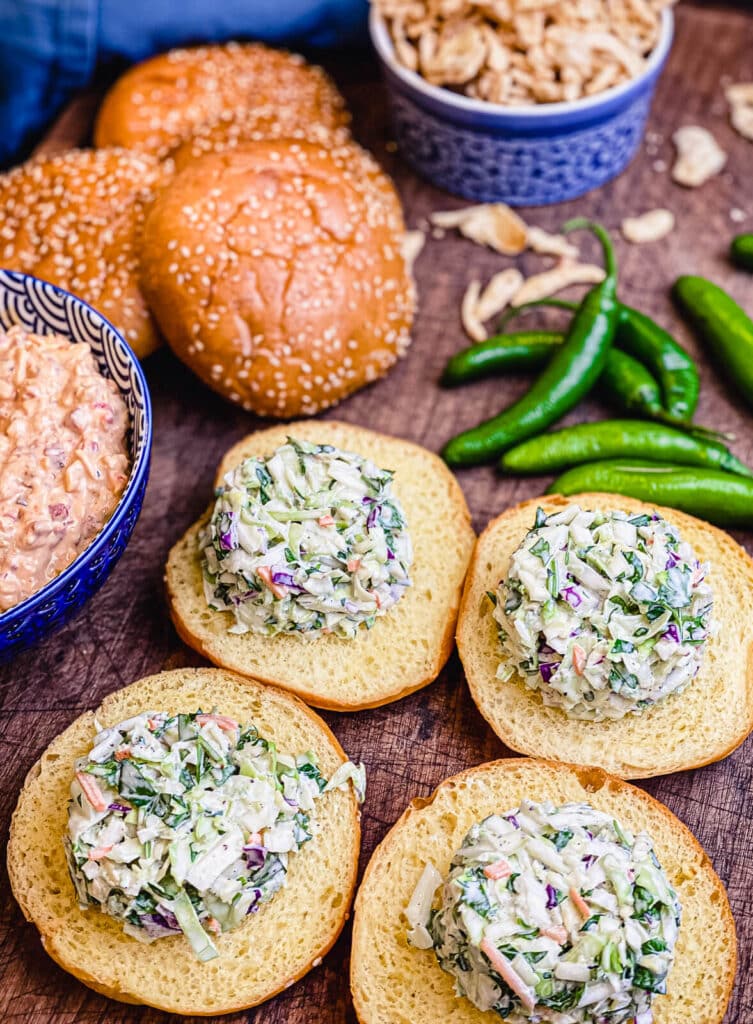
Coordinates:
[722,325]
[645,340]
[711,494]
[524,350]
[610,439]
[675,370]
[624,381]
[741,251]
[628,384]
[515,311]
[570,374]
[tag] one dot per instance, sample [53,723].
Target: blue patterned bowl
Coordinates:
[524,156]
[46,309]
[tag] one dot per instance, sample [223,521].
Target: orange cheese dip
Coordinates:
[63,457]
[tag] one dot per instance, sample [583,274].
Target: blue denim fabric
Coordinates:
[51,48]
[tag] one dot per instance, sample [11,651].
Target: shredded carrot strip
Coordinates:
[99,852]
[92,792]
[224,722]
[579,903]
[557,932]
[500,869]
[502,966]
[266,574]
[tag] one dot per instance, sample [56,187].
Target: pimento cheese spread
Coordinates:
[63,457]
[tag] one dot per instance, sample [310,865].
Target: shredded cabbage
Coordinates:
[603,613]
[553,914]
[185,823]
[309,541]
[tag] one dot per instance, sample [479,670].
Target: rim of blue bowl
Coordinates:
[136,478]
[382,41]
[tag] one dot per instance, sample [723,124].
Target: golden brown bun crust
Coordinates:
[272,948]
[703,723]
[234,131]
[156,105]
[75,220]
[393,983]
[275,271]
[407,647]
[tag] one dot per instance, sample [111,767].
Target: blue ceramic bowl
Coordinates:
[524,156]
[46,309]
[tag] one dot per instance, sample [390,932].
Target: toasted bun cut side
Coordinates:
[407,647]
[75,219]
[158,104]
[272,948]
[395,983]
[275,270]
[701,724]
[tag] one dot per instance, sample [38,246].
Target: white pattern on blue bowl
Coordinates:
[45,309]
[527,155]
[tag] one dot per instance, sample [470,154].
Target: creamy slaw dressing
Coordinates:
[551,914]
[603,613]
[309,541]
[186,823]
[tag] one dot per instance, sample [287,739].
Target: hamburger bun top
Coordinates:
[233,130]
[75,220]
[155,105]
[275,271]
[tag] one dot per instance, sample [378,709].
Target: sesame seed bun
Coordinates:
[159,103]
[273,947]
[276,274]
[75,220]
[232,131]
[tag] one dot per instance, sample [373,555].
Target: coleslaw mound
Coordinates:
[185,823]
[603,613]
[309,541]
[552,914]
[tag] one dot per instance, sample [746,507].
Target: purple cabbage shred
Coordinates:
[255,855]
[285,578]
[547,670]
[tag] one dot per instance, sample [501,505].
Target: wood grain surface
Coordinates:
[409,747]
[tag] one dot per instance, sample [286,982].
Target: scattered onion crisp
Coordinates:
[549,282]
[413,243]
[740,99]
[491,224]
[479,306]
[648,227]
[469,317]
[699,156]
[499,292]
[546,244]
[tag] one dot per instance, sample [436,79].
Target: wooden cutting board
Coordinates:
[409,747]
